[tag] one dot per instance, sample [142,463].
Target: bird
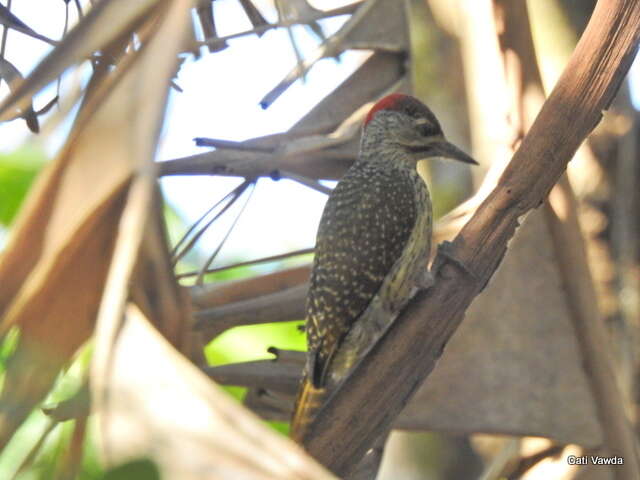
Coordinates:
[372,246]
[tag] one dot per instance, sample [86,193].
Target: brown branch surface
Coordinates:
[283,306]
[382,383]
[217,294]
[281,374]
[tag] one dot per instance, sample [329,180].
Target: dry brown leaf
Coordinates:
[53,270]
[161,406]
[513,366]
[155,290]
[105,22]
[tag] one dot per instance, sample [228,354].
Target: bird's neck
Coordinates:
[377,150]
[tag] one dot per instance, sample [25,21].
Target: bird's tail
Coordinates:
[308,403]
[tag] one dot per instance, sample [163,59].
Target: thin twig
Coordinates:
[212,257]
[5,32]
[331,47]
[79,9]
[344,10]
[233,195]
[306,181]
[292,39]
[64,33]
[258,261]
[268,143]
[9,20]
[526,463]
[220,144]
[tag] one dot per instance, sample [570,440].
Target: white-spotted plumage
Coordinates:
[372,246]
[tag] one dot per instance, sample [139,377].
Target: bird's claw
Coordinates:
[445,254]
[425,280]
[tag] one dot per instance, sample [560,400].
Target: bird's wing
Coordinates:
[364,228]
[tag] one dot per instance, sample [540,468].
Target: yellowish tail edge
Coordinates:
[308,402]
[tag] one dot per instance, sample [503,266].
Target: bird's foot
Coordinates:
[445,254]
[425,280]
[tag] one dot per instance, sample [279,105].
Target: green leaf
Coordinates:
[17,172]
[143,469]
[251,342]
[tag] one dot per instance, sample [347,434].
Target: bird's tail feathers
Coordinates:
[308,403]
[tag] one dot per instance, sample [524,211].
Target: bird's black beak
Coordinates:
[444,149]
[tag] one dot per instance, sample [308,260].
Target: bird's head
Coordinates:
[404,121]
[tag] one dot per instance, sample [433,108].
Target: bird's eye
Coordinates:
[425,127]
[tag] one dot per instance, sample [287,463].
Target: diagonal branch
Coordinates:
[382,383]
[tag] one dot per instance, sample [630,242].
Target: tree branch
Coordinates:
[283,306]
[382,383]
[281,374]
[218,294]
[382,72]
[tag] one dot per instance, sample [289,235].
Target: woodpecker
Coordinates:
[372,246]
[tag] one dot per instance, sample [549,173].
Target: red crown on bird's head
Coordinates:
[397,102]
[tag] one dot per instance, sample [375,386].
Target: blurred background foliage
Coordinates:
[17,172]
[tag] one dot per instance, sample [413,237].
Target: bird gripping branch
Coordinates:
[372,246]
